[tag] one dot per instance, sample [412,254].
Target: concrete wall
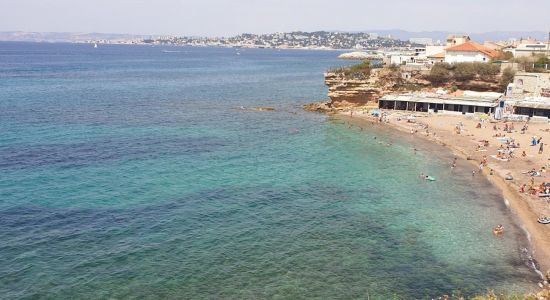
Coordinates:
[531,84]
[465,56]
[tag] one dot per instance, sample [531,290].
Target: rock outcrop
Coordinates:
[348,89]
[353,89]
[344,90]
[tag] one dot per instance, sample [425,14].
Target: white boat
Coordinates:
[544,220]
[95,45]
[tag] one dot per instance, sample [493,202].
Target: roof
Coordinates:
[437,55]
[530,102]
[537,105]
[443,99]
[473,47]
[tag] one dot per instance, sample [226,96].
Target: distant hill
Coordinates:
[479,37]
[62,37]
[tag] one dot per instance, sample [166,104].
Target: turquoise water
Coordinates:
[133,172]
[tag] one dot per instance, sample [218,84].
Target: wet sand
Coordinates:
[441,129]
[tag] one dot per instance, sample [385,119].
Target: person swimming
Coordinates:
[499,230]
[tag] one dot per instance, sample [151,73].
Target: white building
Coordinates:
[530,84]
[467,103]
[402,59]
[422,41]
[525,50]
[457,39]
[469,52]
[432,50]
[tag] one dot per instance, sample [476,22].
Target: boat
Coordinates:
[544,220]
[430,178]
[95,45]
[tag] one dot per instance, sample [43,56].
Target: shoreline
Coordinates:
[537,235]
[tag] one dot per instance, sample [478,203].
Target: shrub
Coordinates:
[464,71]
[361,70]
[485,69]
[506,78]
[439,73]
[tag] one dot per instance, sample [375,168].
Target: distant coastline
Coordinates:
[324,40]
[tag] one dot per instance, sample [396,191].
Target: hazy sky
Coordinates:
[228,17]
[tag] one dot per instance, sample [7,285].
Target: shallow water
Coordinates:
[131,172]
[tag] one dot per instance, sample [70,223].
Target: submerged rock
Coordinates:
[318,106]
[261,108]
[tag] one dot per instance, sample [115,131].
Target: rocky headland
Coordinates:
[361,85]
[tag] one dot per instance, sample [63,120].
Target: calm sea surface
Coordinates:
[135,172]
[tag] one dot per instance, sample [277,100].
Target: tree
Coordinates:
[439,73]
[464,71]
[506,78]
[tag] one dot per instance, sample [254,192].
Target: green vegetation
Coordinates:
[440,73]
[506,78]
[505,55]
[444,72]
[535,64]
[360,71]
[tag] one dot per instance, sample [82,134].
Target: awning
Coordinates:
[449,101]
[536,105]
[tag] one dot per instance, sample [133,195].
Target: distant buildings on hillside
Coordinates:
[460,48]
[290,40]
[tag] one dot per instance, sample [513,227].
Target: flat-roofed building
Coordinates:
[526,50]
[467,103]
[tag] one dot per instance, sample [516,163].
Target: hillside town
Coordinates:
[290,40]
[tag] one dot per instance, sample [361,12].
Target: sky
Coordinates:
[230,17]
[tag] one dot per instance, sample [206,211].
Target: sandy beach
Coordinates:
[466,137]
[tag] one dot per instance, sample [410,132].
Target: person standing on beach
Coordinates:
[541,148]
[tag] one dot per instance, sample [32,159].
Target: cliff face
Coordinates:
[344,90]
[355,90]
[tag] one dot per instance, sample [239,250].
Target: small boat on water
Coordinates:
[544,220]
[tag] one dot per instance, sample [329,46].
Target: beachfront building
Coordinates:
[529,85]
[469,52]
[537,108]
[529,95]
[467,103]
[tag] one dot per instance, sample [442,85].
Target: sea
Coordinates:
[145,172]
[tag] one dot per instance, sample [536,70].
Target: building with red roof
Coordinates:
[470,52]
